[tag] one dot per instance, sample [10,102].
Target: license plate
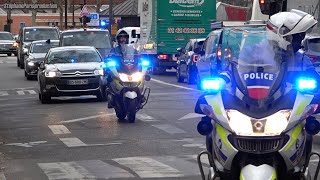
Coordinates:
[78,82]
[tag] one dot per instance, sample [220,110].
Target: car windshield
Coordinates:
[98,39]
[73,56]
[40,34]
[43,47]
[6,36]
[314,44]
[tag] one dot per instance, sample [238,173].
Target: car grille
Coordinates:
[6,46]
[77,73]
[260,145]
[78,87]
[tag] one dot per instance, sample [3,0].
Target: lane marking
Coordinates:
[174,85]
[4,93]
[169,129]
[13,89]
[59,129]
[87,118]
[145,118]
[29,144]
[104,170]
[65,170]
[72,142]
[31,91]
[76,142]
[148,168]
[191,116]
[20,93]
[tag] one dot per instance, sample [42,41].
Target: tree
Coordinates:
[34,13]
[98,2]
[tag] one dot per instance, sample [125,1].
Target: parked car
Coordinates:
[187,61]
[7,44]
[36,54]
[98,38]
[312,49]
[33,33]
[71,71]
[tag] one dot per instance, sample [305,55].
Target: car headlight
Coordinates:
[52,74]
[15,44]
[272,125]
[99,72]
[136,77]
[30,63]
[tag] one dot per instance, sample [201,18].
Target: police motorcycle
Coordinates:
[126,92]
[261,126]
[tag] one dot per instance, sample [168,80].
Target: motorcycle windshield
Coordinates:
[258,66]
[129,57]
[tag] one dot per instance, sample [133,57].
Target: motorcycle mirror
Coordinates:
[205,126]
[312,126]
[147,77]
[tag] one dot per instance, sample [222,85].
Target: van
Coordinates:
[30,34]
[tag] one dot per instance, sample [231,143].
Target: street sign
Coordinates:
[94,16]
[22,24]
[94,19]
[85,11]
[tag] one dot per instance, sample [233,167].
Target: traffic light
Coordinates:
[103,23]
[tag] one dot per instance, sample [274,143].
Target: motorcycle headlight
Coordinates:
[52,74]
[272,125]
[136,77]
[99,72]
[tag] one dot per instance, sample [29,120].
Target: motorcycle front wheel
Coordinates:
[132,109]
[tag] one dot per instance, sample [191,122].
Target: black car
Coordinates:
[36,54]
[187,61]
[71,71]
[98,38]
[30,34]
[7,44]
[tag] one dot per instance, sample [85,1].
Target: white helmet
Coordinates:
[283,25]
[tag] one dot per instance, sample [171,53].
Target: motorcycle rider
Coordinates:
[288,29]
[117,53]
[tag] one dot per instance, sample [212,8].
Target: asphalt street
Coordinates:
[79,138]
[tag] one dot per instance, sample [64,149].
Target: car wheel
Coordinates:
[180,79]
[45,99]
[101,97]
[9,54]
[190,76]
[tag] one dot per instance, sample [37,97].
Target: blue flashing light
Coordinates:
[145,63]
[306,84]
[214,84]
[72,60]
[103,23]
[111,64]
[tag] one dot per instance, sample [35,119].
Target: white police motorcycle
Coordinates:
[126,92]
[260,126]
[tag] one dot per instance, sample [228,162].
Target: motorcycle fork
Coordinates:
[307,164]
[213,168]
